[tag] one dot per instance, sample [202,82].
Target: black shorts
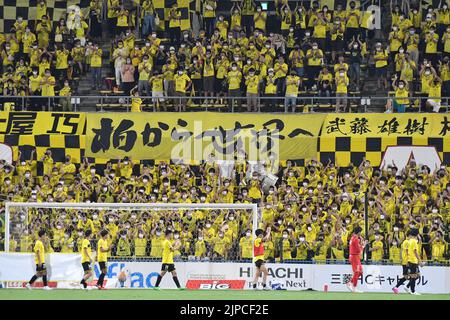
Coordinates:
[40,267]
[405,270]
[86,266]
[168,267]
[102,264]
[413,268]
[259,263]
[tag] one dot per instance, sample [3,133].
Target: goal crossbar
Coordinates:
[126,206]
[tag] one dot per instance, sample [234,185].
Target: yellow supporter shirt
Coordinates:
[234,79]
[292,85]
[383,56]
[39,250]
[61,59]
[136,104]
[96,58]
[252,83]
[181,82]
[402,93]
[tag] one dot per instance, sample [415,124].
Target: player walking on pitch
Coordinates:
[39,259]
[86,258]
[167,260]
[357,245]
[102,257]
[404,260]
[413,261]
[258,253]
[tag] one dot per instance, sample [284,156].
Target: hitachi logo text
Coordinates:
[279,273]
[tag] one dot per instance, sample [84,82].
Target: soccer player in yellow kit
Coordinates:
[404,258]
[86,258]
[258,258]
[102,257]
[167,260]
[39,259]
[413,261]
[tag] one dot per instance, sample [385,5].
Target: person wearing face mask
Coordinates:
[293,83]
[252,82]
[43,30]
[314,57]
[377,248]
[183,84]
[48,83]
[140,244]
[286,19]
[209,15]
[148,14]
[427,73]
[401,89]
[260,18]
[222,26]
[380,57]
[434,94]
[95,25]
[122,19]
[353,22]
[175,24]
[246,245]
[234,78]
[341,82]
[235,19]
[270,84]
[396,37]
[431,43]
[123,245]
[127,75]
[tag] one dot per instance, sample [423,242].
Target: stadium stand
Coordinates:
[213,50]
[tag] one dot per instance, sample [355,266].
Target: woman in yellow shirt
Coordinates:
[401,91]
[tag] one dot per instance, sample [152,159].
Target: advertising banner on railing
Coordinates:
[194,136]
[66,270]
[42,123]
[378,278]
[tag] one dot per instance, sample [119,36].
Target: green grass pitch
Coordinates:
[149,294]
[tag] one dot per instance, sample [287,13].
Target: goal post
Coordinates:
[12,208]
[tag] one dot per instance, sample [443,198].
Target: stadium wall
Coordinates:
[65,268]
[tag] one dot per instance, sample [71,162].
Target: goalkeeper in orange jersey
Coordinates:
[258,258]
[356,245]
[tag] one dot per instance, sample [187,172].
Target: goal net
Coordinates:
[206,232]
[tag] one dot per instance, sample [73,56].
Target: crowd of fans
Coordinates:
[311,210]
[290,50]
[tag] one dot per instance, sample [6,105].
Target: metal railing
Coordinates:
[275,104]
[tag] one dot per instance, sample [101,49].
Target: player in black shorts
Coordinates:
[258,258]
[41,270]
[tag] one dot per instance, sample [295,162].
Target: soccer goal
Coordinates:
[23,220]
